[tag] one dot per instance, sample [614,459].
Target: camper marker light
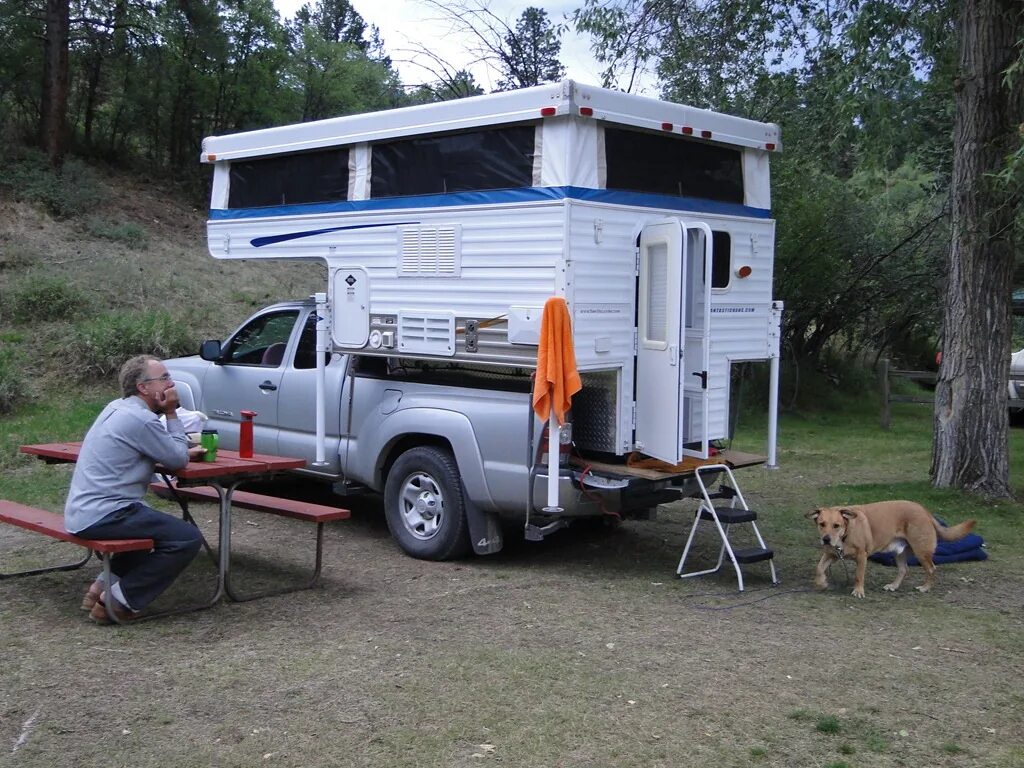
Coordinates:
[770,147]
[687,130]
[705,134]
[548,111]
[743,271]
[587,111]
[211,158]
[666,126]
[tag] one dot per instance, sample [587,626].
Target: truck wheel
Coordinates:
[423,505]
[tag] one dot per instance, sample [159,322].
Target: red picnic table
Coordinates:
[224,474]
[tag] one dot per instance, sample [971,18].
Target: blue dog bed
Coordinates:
[970,547]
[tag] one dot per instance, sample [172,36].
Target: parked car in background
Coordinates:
[1017,384]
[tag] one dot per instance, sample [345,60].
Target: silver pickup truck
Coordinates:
[451,448]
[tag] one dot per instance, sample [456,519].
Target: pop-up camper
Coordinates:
[445,228]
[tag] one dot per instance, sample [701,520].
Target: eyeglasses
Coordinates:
[165,377]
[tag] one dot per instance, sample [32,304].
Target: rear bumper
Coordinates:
[586,494]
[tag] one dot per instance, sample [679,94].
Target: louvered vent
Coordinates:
[426,333]
[431,251]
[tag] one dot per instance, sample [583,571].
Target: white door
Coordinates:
[696,338]
[661,304]
[673,334]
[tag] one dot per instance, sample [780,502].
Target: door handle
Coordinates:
[266,386]
[703,376]
[673,354]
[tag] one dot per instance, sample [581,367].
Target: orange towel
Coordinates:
[557,380]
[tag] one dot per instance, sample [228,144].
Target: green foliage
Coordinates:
[13,386]
[39,297]
[530,55]
[827,724]
[98,347]
[71,192]
[129,233]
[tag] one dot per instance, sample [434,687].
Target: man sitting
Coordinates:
[113,472]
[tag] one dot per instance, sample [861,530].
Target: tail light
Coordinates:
[564,445]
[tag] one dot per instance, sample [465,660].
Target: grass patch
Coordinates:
[99,347]
[40,297]
[951,748]
[72,191]
[131,234]
[827,724]
[13,383]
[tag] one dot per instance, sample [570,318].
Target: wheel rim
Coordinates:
[421,506]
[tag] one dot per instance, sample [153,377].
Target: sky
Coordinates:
[406,24]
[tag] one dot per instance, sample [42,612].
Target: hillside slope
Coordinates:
[137,248]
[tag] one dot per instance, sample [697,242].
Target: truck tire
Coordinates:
[423,505]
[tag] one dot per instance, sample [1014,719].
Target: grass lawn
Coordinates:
[582,650]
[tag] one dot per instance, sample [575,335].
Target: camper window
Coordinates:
[721,259]
[307,177]
[493,158]
[672,165]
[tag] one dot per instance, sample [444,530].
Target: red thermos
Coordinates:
[245,434]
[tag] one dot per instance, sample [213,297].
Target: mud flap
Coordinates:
[484,527]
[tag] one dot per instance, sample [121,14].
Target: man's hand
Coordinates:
[196,453]
[167,401]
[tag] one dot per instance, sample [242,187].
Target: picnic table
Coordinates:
[223,475]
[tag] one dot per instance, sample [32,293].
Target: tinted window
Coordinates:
[262,341]
[305,355]
[672,165]
[309,177]
[721,259]
[497,158]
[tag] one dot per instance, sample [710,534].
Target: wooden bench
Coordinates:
[52,525]
[297,510]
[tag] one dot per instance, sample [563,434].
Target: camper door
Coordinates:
[673,319]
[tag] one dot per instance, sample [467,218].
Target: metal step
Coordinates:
[752,555]
[729,515]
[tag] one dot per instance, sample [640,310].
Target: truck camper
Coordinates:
[446,227]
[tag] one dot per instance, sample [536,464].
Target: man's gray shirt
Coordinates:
[117,461]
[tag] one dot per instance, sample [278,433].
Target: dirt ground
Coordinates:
[583,650]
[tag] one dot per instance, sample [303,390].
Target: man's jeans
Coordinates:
[144,575]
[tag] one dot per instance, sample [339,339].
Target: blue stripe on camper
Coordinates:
[492,197]
[259,242]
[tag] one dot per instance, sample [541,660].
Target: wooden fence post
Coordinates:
[883,380]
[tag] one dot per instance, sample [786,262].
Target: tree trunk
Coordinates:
[53,123]
[971,422]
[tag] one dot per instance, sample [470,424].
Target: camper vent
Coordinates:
[427,333]
[431,251]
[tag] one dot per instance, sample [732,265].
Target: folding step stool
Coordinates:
[724,516]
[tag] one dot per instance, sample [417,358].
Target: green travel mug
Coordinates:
[209,441]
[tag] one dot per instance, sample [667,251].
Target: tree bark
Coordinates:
[53,122]
[970,449]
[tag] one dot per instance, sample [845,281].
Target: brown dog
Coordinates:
[885,526]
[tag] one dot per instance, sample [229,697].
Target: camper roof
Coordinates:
[528,104]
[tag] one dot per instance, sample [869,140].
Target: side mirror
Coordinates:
[210,350]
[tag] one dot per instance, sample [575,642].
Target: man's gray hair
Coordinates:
[133,372]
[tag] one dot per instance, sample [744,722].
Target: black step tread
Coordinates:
[752,555]
[730,514]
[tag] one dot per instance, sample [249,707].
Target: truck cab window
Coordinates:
[262,341]
[305,355]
